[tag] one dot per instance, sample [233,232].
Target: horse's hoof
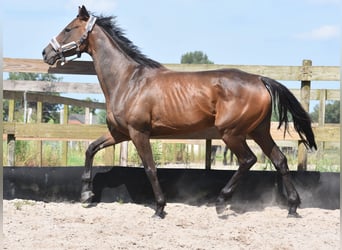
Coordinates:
[89,205]
[159,215]
[86,196]
[293,215]
[220,207]
[293,212]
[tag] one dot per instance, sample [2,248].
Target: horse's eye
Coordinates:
[67,29]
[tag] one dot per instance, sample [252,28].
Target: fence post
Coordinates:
[123,153]
[87,116]
[11,104]
[322,100]
[11,137]
[109,155]
[208,154]
[321,118]
[65,143]
[305,101]
[40,142]
[10,150]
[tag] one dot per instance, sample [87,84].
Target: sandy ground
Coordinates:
[39,225]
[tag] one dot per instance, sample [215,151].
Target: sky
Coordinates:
[263,32]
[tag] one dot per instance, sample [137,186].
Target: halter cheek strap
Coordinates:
[89,27]
[62,50]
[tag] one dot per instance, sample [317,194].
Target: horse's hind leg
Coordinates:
[102,142]
[246,160]
[262,136]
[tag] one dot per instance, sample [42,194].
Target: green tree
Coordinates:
[50,111]
[195,57]
[33,77]
[81,110]
[77,110]
[332,112]
[102,116]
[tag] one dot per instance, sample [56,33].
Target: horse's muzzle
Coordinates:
[49,55]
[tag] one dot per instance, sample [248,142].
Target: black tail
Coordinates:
[286,102]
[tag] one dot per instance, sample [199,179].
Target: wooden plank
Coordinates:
[38,66]
[24,65]
[208,146]
[328,133]
[289,73]
[333,94]
[39,111]
[46,131]
[305,101]
[63,131]
[64,152]
[321,111]
[46,98]
[94,88]
[315,94]
[39,144]
[11,107]
[11,150]
[109,156]
[325,73]
[55,87]
[8,128]
[60,132]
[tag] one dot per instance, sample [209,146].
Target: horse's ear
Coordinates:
[83,13]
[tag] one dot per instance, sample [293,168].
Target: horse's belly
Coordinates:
[180,123]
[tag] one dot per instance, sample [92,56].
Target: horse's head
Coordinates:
[73,39]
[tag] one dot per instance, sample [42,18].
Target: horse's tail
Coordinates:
[285,102]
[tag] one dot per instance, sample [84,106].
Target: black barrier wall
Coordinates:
[191,186]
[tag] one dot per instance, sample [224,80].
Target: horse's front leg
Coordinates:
[102,142]
[142,143]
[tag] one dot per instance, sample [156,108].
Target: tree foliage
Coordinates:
[195,57]
[332,112]
[102,117]
[33,77]
[81,110]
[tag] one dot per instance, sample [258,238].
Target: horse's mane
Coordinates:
[109,25]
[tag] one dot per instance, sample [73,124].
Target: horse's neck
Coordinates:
[112,66]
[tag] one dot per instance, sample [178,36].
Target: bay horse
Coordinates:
[144,100]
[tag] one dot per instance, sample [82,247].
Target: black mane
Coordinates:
[109,25]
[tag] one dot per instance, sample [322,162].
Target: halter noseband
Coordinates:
[62,50]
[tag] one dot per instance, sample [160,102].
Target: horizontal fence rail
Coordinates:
[287,73]
[37,91]
[79,132]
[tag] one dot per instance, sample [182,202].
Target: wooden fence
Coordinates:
[34,92]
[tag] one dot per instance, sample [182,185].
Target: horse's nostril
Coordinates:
[43,53]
